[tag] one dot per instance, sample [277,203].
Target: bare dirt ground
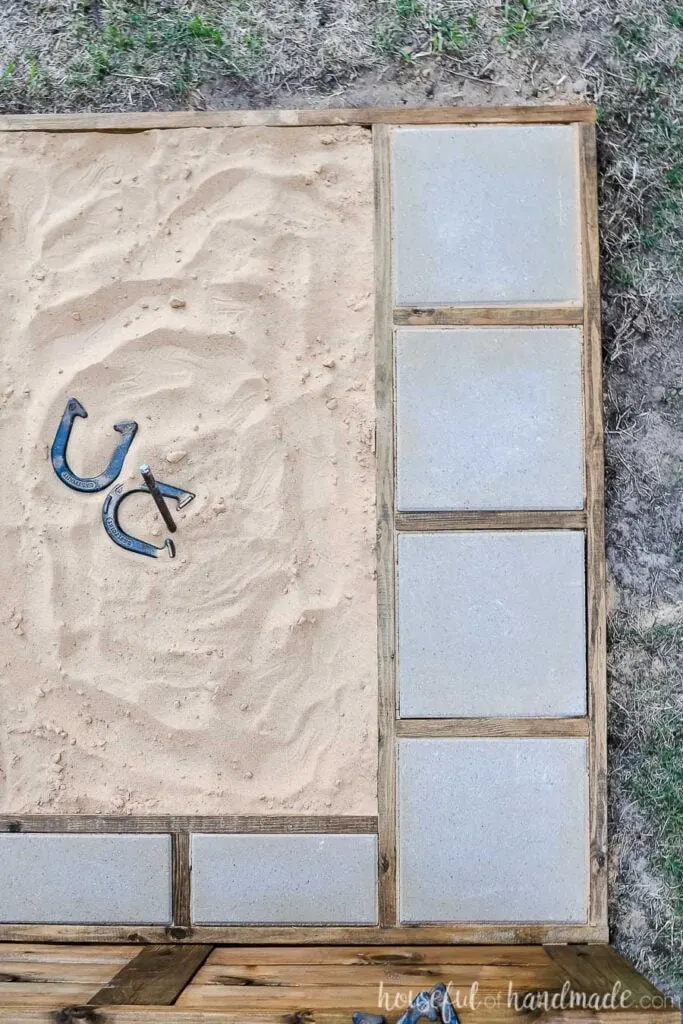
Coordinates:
[627,57]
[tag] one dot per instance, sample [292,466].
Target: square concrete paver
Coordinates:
[85,879]
[489,418]
[491,623]
[493,830]
[485,215]
[284,879]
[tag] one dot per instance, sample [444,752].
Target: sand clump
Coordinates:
[215,286]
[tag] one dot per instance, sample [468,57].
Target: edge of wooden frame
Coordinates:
[439,934]
[592,520]
[595,529]
[160,823]
[436,522]
[488,316]
[273,117]
[433,728]
[386,603]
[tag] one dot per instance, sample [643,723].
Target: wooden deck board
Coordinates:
[391,956]
[313,985]
[157,975]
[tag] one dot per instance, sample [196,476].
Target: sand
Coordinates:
[215,286]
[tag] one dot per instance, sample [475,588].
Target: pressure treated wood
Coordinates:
[430,728]
[324,984]
[156,823]
[52,973]
[488,316]
[37,953]
[595,534]
[547,975]
[182,1015]
[371,956]
[386,599]
[131,122]
[438,522]
[599,968]
[327,980]
[299,1000]
[157,975]
[55,976]
[257,935]
[181,896]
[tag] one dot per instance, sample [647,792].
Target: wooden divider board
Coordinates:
[391,523]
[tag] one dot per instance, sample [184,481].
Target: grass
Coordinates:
[627,57]
[658,784]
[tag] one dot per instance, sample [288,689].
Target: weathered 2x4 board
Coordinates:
[366,702]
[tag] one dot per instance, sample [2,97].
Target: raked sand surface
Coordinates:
[215,286]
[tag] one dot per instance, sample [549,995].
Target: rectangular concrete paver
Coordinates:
[491,623]
[485,215]
[284,879]
[85,879]
[489,419]
[493,830]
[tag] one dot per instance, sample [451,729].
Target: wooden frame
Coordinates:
[276,118]
[199,984]
[589,520]
[389,523]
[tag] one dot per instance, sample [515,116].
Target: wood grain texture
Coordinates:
[430,728]
[386,603]
[595,532]
[400,957]
[294,118]
[49,995]
[296,984]
[599,968]
[299,1000]
[437,522]
[188,1015]
[488,316]
[52,972]
[42,953]
[181,895]
[256,935]
[418,977]
[122,824]
[182,1015]
[158,1014]
[157,975]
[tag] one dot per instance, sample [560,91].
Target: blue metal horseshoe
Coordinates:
[435,1006]
[110,518]
[91,484]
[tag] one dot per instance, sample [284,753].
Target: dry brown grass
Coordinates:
[627,57]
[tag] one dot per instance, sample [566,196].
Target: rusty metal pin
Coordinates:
[151,484]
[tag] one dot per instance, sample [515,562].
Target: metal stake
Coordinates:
[148,477]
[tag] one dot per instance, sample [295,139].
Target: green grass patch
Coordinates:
[658,786]
[146,41]
[631,35]
[518,17]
